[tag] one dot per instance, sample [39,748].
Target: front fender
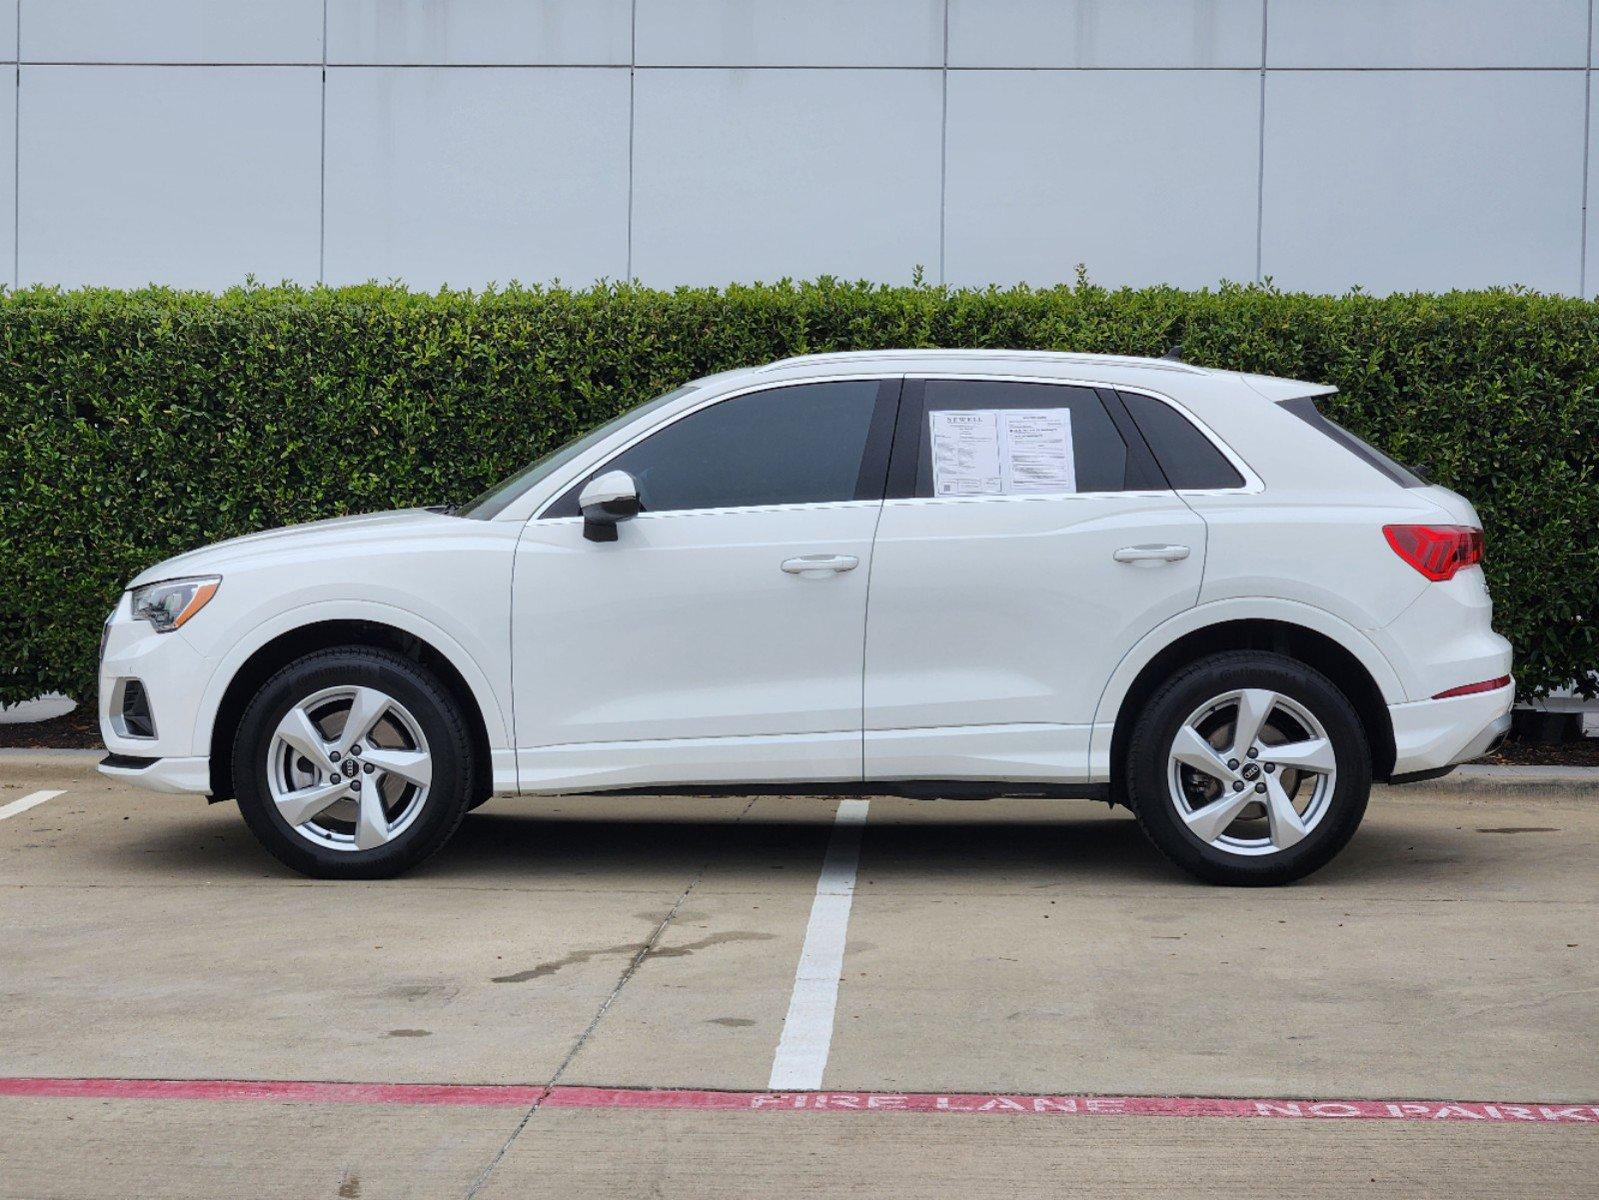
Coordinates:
[482,688]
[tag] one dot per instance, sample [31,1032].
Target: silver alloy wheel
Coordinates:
[1252,772]
[349,768]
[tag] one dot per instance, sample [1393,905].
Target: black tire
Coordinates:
[428,702]
[1146,767]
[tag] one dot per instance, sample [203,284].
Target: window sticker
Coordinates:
[1002,451]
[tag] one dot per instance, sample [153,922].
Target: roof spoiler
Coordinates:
[1278,390]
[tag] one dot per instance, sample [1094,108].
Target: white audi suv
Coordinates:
[929,573]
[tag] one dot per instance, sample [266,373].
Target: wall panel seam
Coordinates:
[322,164]
[943,157]
[632,123]
[1241,69]
[16,161]
[1587,142]
[1260,148]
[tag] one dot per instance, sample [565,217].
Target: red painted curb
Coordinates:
[278,1091]
[528,1096]
[1059,1105]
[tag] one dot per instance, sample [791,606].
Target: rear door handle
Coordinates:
[1151,554]
[819,566]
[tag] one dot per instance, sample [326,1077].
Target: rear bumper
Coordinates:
[1432,735]
[184,775]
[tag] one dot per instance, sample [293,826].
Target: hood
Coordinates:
[215,558]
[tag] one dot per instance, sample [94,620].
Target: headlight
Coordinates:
[170,603]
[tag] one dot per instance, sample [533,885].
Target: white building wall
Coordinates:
[1391,144]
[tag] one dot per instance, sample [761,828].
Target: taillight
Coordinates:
[1437,551]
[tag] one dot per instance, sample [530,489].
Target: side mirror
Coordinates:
[605,500]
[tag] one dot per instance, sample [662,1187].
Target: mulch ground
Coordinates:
[80,730]
[1546,754]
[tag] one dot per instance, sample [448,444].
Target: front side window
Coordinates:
[491,503]
[997,438]
[800,444]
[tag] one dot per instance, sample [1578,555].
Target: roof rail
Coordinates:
[1157,364]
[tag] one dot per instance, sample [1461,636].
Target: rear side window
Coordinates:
[1305,409]
[996,438]
[802,444]
[1188,458]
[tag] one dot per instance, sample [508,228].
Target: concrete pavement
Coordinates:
[1012,946]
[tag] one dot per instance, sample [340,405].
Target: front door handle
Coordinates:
[1151,554]
[820,566]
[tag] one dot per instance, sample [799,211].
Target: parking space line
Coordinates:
[510,1095]
[32,800]
[808,1030]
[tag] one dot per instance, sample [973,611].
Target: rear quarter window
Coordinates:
[1189,459]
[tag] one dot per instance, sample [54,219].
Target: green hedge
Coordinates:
[139,424]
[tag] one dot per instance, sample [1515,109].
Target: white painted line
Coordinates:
[808,1031]
[21,806]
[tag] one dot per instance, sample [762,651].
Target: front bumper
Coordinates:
[173,675]
[1433,735]
[184,775]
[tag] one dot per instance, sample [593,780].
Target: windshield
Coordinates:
[494,501]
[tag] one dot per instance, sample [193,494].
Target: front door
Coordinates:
[1027,543]
[719,638]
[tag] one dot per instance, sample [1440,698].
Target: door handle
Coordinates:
[819,566]
[1151,554]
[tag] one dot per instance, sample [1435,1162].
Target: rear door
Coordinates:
[1027,542]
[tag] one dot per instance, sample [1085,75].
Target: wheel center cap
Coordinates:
[1250,771]
[349,766]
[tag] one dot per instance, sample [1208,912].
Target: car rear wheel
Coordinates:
[353,763]
[1249,768]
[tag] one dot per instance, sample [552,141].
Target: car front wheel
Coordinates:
[1249,768]
[353,763]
